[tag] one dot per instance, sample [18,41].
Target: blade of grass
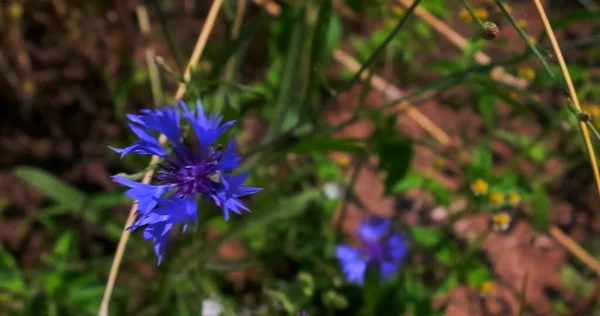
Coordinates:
[288,77]
[144,24]
[383,45]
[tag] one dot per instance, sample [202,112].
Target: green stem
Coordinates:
[530,44]
[384,44]
[167,34]
[469,8]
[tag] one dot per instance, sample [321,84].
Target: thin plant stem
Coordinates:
[571,88]
[461,42]
[144,24]
[193,62]
[575,249]
[162,22]
[528,41]
[231,64]
[384,44]
[469,8]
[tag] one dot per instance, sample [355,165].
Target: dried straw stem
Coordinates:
[558,235]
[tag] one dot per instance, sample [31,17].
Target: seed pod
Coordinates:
[490,31]
[584,117]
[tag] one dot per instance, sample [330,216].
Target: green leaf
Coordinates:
[284,107]
[481,161]
[250,28]
[486,108]
[259,220]
[540,209]
[318,47]
[105,200]
[477,274]
[51,186]
[230,266]
[319,144]
[425,236]
[412,180]
[394,159]
[11,278]
[575,17]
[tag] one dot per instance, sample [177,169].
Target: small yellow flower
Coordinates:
[514,198]
[522,23]
[464,14]
[508,8]
[342,160]
[496,198]
[16,10]
[526,73]
[501,222]
[479,187]
[592,110]
[487,288]
[439,162]
[397,10]
[532,39]
[482,14]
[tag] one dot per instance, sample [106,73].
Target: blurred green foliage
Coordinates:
[288,261]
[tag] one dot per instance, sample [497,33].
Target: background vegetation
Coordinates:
[346,109]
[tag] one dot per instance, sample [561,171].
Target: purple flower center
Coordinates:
[375,250]
[190,173]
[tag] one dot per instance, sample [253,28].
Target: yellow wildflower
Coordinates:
[479,187]
[522,23]
[526,73]
[501,222]
[16,10]
[514,198]
[487,288]
[342,160]
[481,13]
[592,110]
[439,162]
[496,198]
[397,10]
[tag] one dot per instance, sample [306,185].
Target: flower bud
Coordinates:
[490,31]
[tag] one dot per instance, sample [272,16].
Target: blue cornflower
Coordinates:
[381,248]
[183,173]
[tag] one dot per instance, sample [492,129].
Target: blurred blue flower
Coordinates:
[183,173]
[381,248]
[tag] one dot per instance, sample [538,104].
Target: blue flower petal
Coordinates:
[165,121]
[159,234]
[233,185]
[229,159]
[229,205]
[207,128]
[146,145]
[178,210]
[227,198]
[397,246]
[374,228]
[145,194]
[353,264]
[387,268]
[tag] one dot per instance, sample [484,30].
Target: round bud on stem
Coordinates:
[584,117]
[490,31]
